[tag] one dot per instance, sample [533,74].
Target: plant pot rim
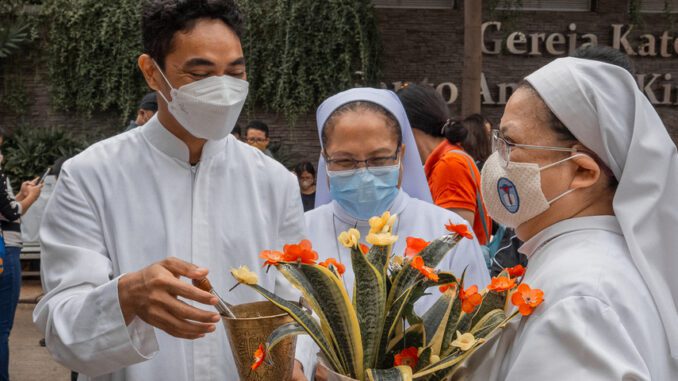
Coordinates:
[263,302]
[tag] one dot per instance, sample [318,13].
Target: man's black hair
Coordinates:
[162,19]
[257,125]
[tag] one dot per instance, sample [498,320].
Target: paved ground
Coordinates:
[29,361]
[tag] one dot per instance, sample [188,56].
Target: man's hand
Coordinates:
[320,374]
[151,294]
[298,372]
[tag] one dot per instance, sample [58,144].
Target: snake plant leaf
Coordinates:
[398,373]
[283,332]
[306,321]
[456,357]
[435,321]
[432,255]
[414,336]
[453,323]
[292,272]
[491,301]
[392,320]
[451,327]
[335,304]
[425,358]
[378,256]
[488,323]
[369,299]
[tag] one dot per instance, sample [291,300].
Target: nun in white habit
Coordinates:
[371,164]
[599,229]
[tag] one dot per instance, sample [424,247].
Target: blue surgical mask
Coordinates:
[365,193]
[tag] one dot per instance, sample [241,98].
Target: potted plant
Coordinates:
[374,333]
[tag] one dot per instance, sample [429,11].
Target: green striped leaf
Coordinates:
[488,323]
[399,373]
[283,332]
[378,256]
[432,255]
[435,322]
[306,321]
[336,307]
[292,272]
[491,301]
[414,336]
[369,299]
[392,320]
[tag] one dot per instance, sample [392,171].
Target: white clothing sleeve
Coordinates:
[80,314]
[292,230]
[468,255]
[578,338]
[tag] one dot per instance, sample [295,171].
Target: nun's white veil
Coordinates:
[414,179]
[604,109]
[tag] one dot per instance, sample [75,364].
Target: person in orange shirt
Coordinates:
[452,175]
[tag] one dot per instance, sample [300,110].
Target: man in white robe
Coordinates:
[133,217]
[604,251]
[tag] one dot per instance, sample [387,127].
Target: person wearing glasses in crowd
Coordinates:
[369,165]
[587,174]
[256,135]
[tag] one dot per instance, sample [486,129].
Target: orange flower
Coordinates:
[414,246]
[302,252]
[516,271]
[460,229]
[527,299]
[408,356]
[259,356]
[363,248]
[272,257]
[501,284]
[337,265]
[470,298]
[418,263]
[449,286]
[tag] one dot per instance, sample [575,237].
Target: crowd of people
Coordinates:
[577,183]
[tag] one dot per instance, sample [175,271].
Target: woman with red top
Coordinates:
[452,175]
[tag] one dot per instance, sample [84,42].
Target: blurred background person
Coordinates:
[11,209]
[237,132]
[452,175]
[256,135]
[478,142]
[147,108]
[306,174]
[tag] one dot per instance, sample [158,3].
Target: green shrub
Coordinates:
[29,151]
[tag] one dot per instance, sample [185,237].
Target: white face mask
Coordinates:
[513,194]
[208,108]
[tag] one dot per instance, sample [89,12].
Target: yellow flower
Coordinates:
[397,260]
[383,224]
[243,275]
[350,238]
[465,341]
[381,239]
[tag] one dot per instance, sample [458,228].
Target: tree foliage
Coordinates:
[298,52]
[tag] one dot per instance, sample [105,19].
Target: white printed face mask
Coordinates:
[513,194]
[208,108]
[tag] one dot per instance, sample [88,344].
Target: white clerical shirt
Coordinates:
[133,200]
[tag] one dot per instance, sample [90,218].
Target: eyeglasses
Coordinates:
[373,162]
[255,140]
[504,148]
